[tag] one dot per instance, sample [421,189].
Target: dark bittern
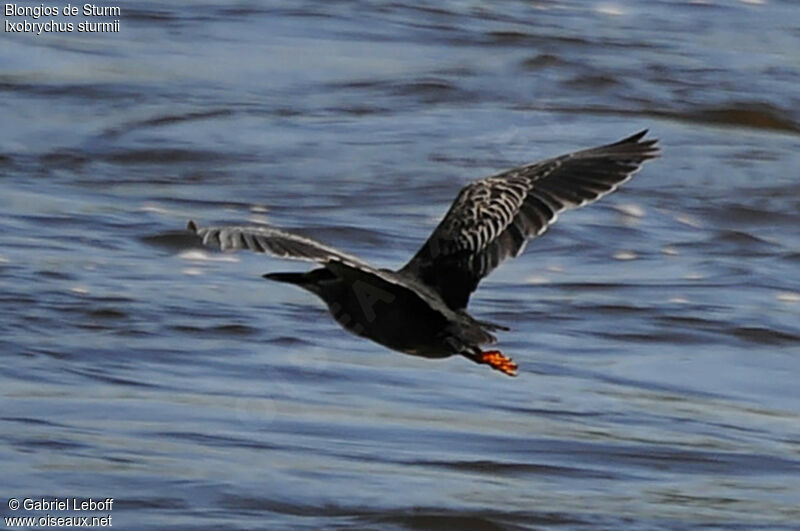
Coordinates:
[420,309]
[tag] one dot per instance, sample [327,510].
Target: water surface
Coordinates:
[656,331]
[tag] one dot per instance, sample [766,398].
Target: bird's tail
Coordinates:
[494,327]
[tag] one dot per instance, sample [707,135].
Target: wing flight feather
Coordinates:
[493,218]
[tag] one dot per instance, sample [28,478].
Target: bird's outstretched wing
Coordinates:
[493,218]
[262,239]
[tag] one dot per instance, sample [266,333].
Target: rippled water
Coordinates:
[657,331]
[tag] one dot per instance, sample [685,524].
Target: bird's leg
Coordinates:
[496,360]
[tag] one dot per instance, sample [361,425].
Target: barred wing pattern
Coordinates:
[493,218]
[263,239]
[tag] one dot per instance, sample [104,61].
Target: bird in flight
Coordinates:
[421,309]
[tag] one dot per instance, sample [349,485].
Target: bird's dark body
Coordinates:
[420,309]
[393,316]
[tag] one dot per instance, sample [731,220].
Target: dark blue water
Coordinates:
[657,331]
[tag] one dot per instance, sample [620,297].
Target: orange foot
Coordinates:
[497,361]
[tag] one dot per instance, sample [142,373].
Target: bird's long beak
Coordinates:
[291,278]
